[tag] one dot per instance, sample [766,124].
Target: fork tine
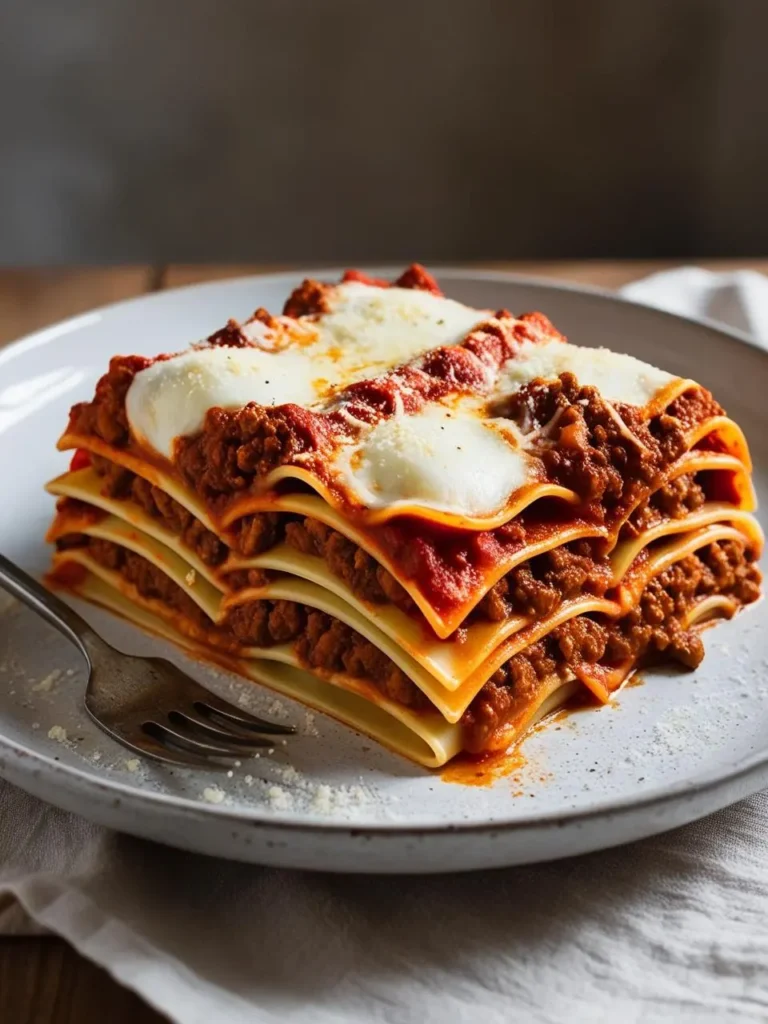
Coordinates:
[213,706]
[155,749]
[204,730]
[203,700]
[190,744]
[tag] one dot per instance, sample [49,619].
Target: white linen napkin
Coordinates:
[668,929]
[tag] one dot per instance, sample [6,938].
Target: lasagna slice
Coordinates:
[433,522]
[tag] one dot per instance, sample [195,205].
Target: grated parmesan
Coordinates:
[280,798]
[48,682]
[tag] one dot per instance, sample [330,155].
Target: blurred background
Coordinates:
[348,130]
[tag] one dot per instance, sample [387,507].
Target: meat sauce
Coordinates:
[535,587]
[652,630]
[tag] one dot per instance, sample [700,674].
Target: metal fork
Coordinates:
[147,704]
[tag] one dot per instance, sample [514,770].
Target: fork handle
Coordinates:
[45,603]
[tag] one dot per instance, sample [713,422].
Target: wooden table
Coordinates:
[42,981]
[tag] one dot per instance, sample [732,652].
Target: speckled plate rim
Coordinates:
[739,777]
[21,764]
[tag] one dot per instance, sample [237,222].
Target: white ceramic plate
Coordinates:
[677,747]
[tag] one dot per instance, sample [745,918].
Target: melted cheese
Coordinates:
[365,331]
[617,376]
[382,327]
[435,460]
[445,460]
[170,398]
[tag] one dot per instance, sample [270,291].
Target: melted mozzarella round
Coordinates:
[170,398]
[618,377]
[385,326]
[435,459]
[366,330]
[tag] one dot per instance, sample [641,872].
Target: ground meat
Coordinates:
[519,591]
[362,278]
[232,334]
[679,497]
[369,580]
[259,532]
[242,578]
[538,586]
[584,447]
[309,299]
[651,631]
[675,500]
[105,416]
[506,692]
[533,588]
[418,277]
[150,581]
[692,407]
[330,645]
[580,640]
[116,482]
[123,484]
[110,555]
[415,276]
[495,604]
[264,623]
[237,445]
[72,540]
[733,571]
[85,514]
[322,642]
